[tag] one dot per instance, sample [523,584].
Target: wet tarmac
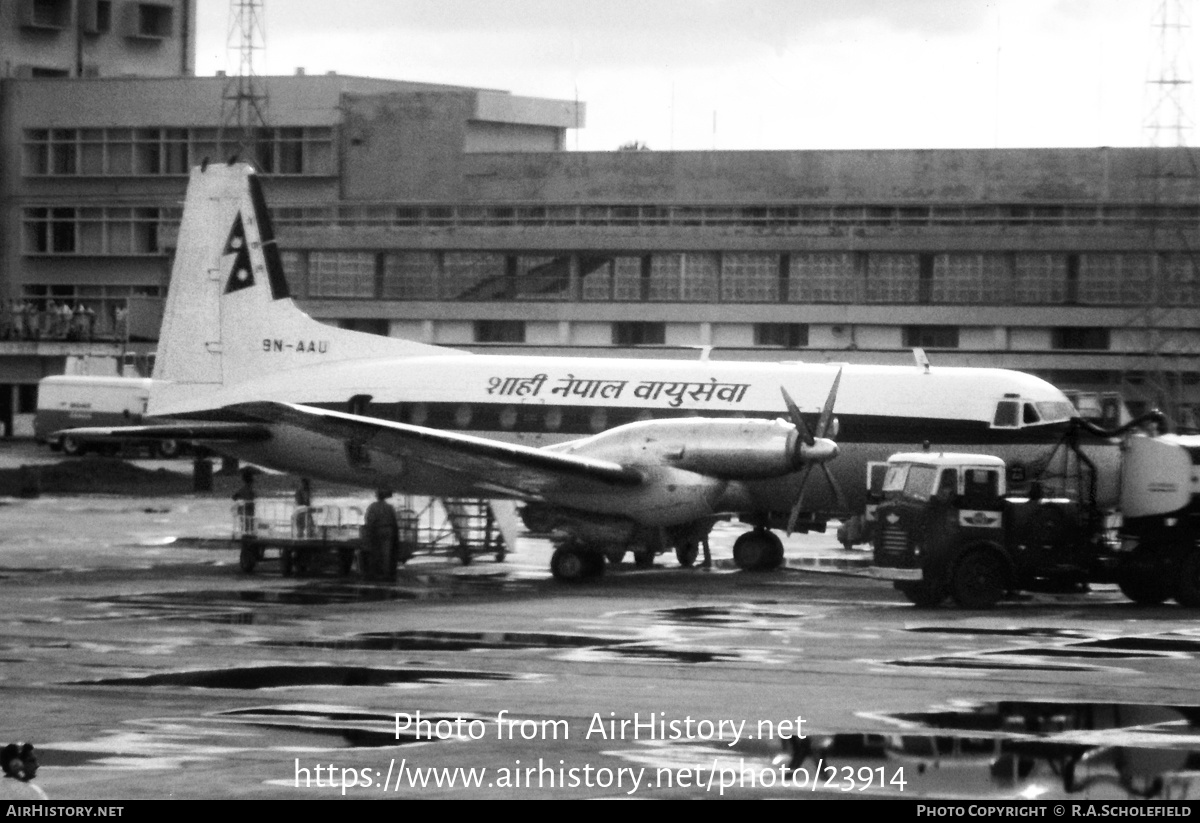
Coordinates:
[143,663]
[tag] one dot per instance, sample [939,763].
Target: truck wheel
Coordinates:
[1187,582]
[979,580]
[1140,585]
[169,449]
[923,595]
[71,447]
[569,565]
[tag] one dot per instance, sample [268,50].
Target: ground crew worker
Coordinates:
[303,517]
[245,498]
[381,534]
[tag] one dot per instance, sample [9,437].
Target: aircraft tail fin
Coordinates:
[229,315]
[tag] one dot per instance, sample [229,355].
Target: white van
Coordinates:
[70,401]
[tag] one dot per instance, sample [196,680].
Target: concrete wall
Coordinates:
[918,177]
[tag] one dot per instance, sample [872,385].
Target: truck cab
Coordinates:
[947,528]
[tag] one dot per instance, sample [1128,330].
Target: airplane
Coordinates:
[611,454]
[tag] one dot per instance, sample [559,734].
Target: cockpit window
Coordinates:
[1056,411]
[1007,415]
[1012,414]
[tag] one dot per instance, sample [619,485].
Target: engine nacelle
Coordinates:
[722,448]
[667,497]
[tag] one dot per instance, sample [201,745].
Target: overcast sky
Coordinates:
[756,74]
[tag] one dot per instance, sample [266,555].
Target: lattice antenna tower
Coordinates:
[1169,119]
[244,98]
[1166,353]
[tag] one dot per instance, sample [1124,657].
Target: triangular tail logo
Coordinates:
[241,275]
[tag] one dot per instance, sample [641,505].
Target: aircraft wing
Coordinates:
[487,464]
[207,432]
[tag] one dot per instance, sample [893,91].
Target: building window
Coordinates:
[1081,337]
[102,22]
[499,331]
[783,335]
[1114,279]
[410,275]
[171,151]
[538,277]
[1040,279]
[823,278]
[893,278]
[341,274]
[1180,279]
[46,14]
[98,231]
[931,337]
[970,278]
[749,278]
[682,278]
[638,333]
[474,276]
[611,278]
[152,20]
[105,305]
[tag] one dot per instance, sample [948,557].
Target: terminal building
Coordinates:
[457,216]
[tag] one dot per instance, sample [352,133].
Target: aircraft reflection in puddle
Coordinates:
[1025,750]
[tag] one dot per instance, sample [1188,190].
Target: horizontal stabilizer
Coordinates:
[200,432]
[508,467]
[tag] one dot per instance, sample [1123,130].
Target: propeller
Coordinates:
[815,449]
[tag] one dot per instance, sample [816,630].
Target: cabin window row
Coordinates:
[750,277]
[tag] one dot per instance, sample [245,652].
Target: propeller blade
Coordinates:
[827,412]
[837,490]
[797,420]
[826,425]
[799,506]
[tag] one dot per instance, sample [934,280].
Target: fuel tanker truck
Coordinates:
[949,526]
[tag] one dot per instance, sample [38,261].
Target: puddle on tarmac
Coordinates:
[1082,650]
[451,641]
[356,728]
[168,743]
[579,648]
[285,676]
[1030,631]
[233,606]
[739,615]
[1003,750]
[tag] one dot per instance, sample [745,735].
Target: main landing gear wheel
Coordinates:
[686,554]
[576,565]
[757,551]
[615,554]
[979,580]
